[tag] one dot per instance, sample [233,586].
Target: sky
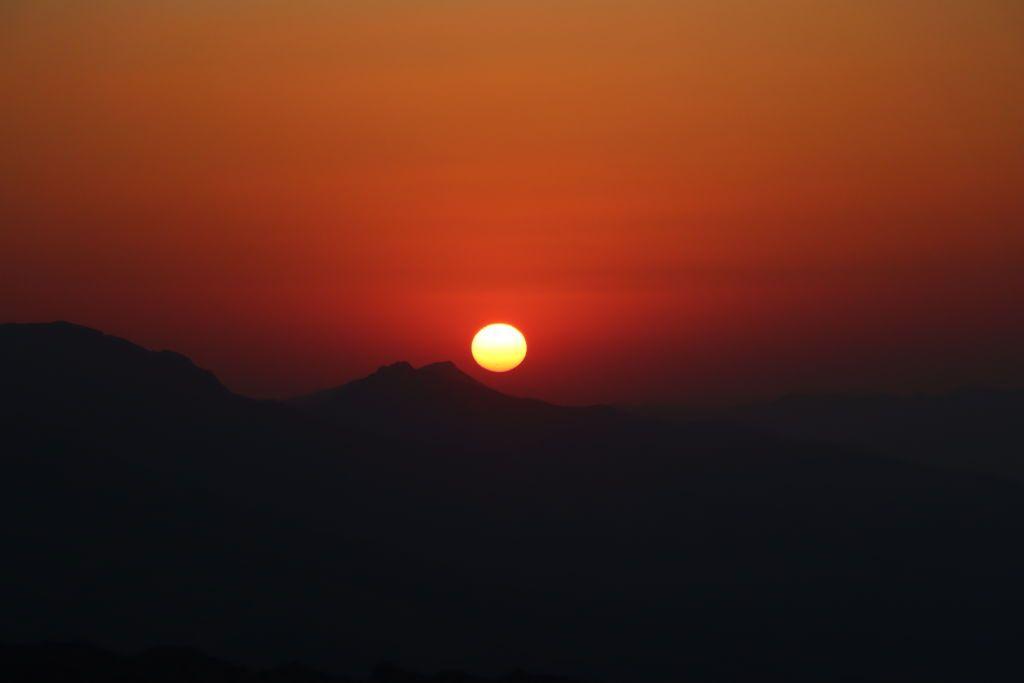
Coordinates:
[700,201]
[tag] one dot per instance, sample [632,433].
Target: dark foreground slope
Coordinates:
[420,517]
[82,663]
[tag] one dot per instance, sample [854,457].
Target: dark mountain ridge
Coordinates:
[424,518]
[441,402]
[974,428]
[68,364]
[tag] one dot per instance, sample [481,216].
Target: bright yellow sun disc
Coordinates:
[499,347]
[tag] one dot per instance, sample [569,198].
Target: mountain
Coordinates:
[977,429]
[69,366]
[420,517]
[440,402]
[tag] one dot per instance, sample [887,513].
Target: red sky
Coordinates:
[700,201]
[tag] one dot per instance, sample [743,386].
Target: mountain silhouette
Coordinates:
[69,365]
[420,517]
[441,402]
[971,428]
[401,383]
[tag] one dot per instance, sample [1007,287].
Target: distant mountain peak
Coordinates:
[446,370]
[401,367]
[404,371]
[428,388]
[441,365]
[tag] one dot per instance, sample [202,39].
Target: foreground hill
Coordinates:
[420,517]
[63,662]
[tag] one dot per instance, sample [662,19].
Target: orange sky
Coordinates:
[696,201]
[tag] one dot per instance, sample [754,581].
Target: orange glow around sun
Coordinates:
[698,201]
[499,347]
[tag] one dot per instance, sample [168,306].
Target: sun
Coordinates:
[499,347]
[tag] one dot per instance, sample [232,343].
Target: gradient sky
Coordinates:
[697,200]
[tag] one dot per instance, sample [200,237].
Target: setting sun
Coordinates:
[499,347]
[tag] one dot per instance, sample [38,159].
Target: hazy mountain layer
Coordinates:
[419,517]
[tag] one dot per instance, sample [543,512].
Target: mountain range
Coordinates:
[420,517]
